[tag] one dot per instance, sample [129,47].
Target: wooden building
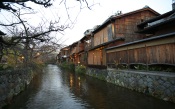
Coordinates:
[87,44]
[80,52]
[71,53]
[162,24]
[138,37]
[63,55]
[116,30]
[156,49]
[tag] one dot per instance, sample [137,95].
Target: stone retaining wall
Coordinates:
[12,83]
[158,84]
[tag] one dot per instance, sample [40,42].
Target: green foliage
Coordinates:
[118,64]
[140,67]
[36,65]
[5,66]
[101,77]
[64,65]
[67,66]
[71,66]
[165,68]
[156,67]
[80,69]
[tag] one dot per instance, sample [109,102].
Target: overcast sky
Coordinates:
[87,18]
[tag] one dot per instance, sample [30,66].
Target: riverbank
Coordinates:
[12,82]
[158,84]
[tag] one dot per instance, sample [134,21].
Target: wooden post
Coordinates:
[93,57]
[128,57]
[146,58]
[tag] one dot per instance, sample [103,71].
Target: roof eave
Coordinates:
[113,18]
[108,21]
[107,43]
[143,40]
[156,18]
[153,28]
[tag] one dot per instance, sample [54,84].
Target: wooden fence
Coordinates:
[161,51]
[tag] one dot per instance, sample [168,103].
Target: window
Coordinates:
[110,30]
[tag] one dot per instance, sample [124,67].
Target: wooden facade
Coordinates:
[126,26]
[127,39]
[76,49]
[80,53]
[72,53]
[156,48]
[159,50]
[159,25]
[104,35]
[95,57]
[63,55]
[117,27]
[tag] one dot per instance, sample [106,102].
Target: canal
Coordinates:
[56,89]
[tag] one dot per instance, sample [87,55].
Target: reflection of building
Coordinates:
[77,84]
[138,37]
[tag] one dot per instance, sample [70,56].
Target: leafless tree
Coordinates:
[28,37]
[10,4]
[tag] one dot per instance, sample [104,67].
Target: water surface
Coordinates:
[57,89]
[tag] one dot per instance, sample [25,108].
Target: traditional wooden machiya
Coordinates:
[138,37]
[63,56]
[116,30]
[156,49]
[86,44]
[162,24]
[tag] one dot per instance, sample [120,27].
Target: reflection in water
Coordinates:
[71,80]
[56,89]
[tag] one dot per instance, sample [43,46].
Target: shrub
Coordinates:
[155,67]
[72,67]
[162,67]
[80,69]
[36,65]
[139,67]
[5,66]
[67,66]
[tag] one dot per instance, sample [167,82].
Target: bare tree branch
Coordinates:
[11,24]
[6,4]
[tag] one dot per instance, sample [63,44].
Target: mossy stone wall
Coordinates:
[158,84]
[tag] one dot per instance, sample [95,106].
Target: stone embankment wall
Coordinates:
[158,84]
[12,82]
